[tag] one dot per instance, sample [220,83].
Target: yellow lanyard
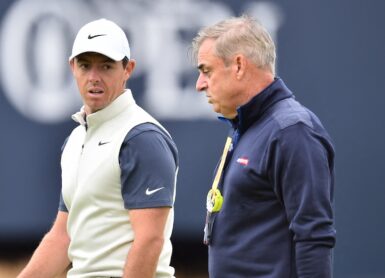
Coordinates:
[214,197]
[222,163]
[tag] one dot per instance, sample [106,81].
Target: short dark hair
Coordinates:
[125,61]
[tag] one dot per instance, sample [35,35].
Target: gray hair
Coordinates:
[239,35]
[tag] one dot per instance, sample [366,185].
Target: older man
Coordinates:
[270,206]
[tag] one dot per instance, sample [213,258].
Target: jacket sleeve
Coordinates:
[303,177]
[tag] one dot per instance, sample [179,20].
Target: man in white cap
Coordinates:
[119,170]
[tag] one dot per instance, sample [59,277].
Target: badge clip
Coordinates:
[214,200]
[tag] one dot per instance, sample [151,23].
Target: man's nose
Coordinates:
[201,84]
[94,75]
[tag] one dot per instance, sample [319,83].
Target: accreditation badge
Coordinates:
[213,204]
[214,200]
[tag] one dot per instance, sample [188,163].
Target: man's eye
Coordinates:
[106,67]
[83,66]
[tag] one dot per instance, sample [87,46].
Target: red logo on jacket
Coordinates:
[243,161]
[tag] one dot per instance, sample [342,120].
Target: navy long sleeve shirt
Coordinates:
[277,218]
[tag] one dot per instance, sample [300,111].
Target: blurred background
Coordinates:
[330,53]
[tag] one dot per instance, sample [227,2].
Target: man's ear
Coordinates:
[130,67]
[72,65]
[240,63]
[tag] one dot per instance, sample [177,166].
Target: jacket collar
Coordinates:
[250,112]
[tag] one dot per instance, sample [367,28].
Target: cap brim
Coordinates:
[108,53]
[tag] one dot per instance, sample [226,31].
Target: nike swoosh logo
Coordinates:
[150,192]
[94,36]
[103,143]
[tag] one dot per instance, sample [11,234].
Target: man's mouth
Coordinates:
[95,91]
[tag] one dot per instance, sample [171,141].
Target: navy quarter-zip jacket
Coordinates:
[277,216]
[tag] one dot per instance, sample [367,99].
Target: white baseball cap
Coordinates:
[102,36]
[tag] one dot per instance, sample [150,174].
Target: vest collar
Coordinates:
[116,107]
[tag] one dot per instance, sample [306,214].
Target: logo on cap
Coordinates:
[94,36]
